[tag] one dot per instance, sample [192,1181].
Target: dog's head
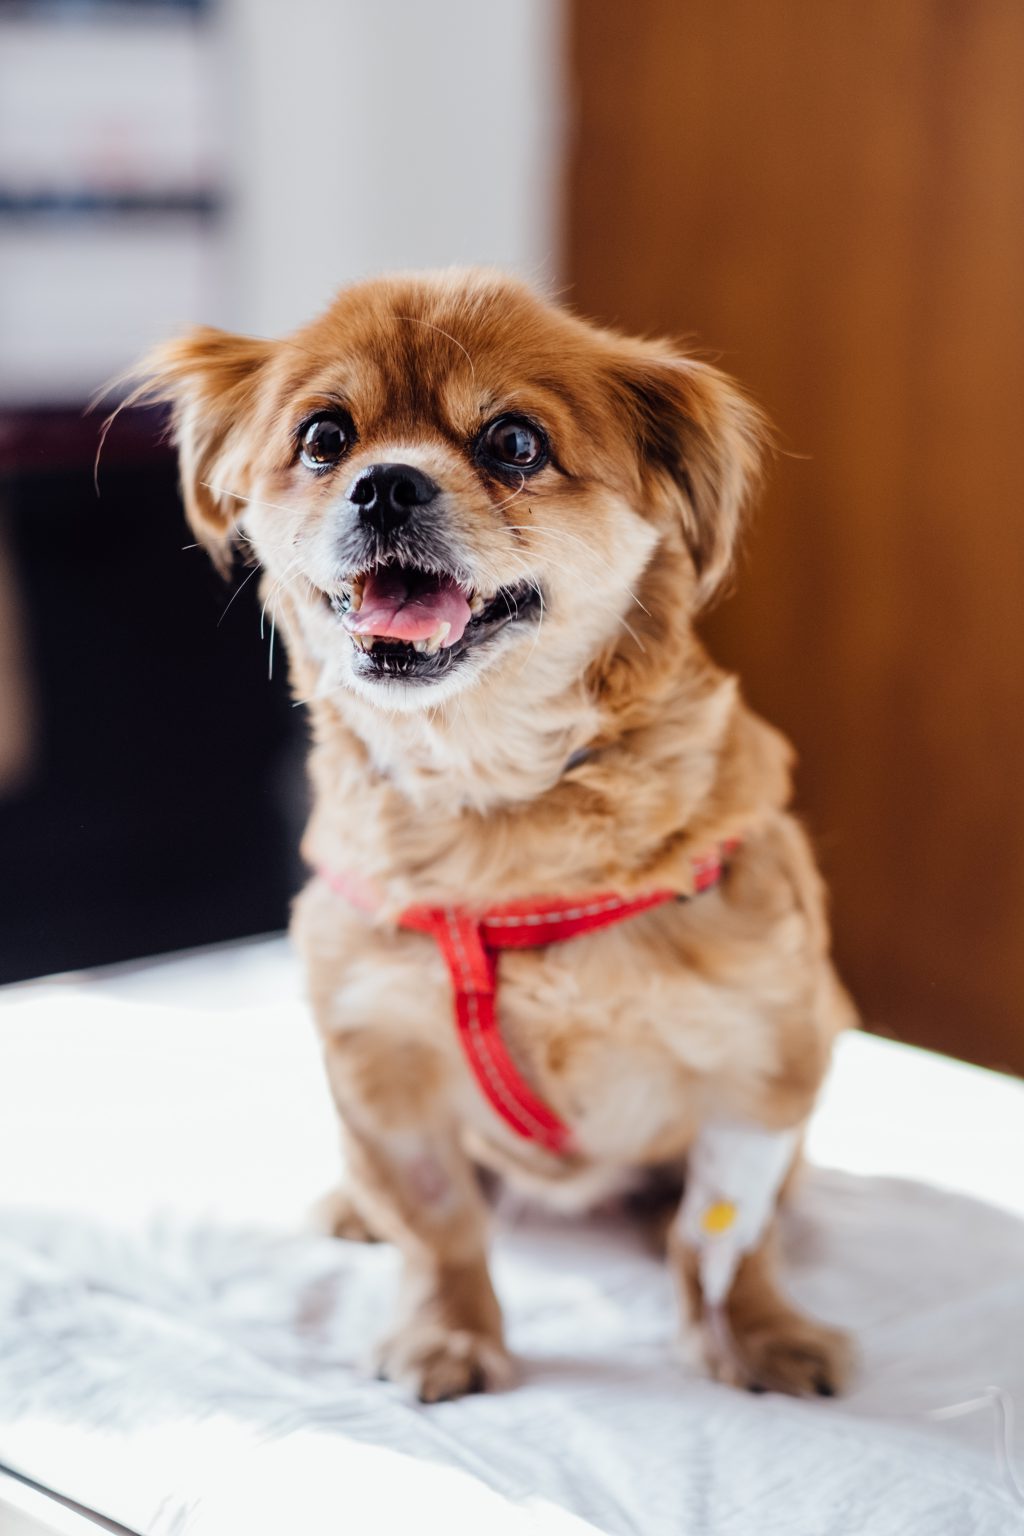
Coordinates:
[445,472]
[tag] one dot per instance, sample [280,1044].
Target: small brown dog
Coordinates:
[486,528]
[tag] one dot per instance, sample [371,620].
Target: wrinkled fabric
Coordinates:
[177,1352]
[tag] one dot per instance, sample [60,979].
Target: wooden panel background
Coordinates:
[829,197]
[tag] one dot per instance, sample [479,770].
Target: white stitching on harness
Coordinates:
[534,919]
[482,1047]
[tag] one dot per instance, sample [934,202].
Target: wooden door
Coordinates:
[829,197]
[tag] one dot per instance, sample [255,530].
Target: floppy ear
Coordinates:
[706,439]
[211,381]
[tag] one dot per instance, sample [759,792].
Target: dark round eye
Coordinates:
[515,443]
[325,440]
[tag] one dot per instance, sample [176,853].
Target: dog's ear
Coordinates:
[211,380]
[705,442]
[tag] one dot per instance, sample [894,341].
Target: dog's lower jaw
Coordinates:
[397,695]
[403,673]
[427,682]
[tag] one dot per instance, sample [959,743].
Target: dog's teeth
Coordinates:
[476,604]
[433,645]
[421,646]
[364,642]
[356,600]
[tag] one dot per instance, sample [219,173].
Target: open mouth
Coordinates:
[415,624]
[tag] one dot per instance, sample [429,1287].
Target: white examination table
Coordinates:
[179,1354]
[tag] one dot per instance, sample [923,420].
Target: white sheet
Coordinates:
[176,1352]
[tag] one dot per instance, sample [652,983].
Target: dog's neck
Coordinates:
[480,750]
[507,738]
[481,796]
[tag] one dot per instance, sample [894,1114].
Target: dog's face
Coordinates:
[452,481]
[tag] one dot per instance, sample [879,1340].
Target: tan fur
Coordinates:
[461,793]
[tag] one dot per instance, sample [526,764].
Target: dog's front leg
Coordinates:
[410,1177]
[722,1245]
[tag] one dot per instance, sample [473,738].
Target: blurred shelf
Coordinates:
[97,10]
[113,228]
[76,205]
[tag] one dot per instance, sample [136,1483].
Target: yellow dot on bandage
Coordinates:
[718,1217]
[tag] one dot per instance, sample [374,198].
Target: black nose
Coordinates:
[386,493]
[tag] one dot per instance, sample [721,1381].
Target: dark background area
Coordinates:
[164,798]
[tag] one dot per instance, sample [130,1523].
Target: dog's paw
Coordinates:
[437,1364]
[337,1216]
[783,1353]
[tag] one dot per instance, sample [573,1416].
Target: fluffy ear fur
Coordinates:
[210,380]
[706,439]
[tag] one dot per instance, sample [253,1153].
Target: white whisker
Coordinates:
[250,501]
[415,320]
[574,538]
[607,607]
[510,499]
[270,660]
[256,568]
[632,632]
[536,638]
[276,586]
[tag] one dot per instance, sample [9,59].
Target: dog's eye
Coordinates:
[514,443]
[325,440]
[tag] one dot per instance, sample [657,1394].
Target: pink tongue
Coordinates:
[394,607]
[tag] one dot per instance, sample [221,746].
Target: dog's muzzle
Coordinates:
[407,596]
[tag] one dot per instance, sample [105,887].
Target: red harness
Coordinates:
[470,942]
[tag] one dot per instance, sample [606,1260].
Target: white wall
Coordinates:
[373,134]
[98,103]
[350,136]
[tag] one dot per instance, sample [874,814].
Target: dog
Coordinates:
[561,923]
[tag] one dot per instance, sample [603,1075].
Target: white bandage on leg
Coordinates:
[733,1176]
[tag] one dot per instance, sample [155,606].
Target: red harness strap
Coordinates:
[470,942]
